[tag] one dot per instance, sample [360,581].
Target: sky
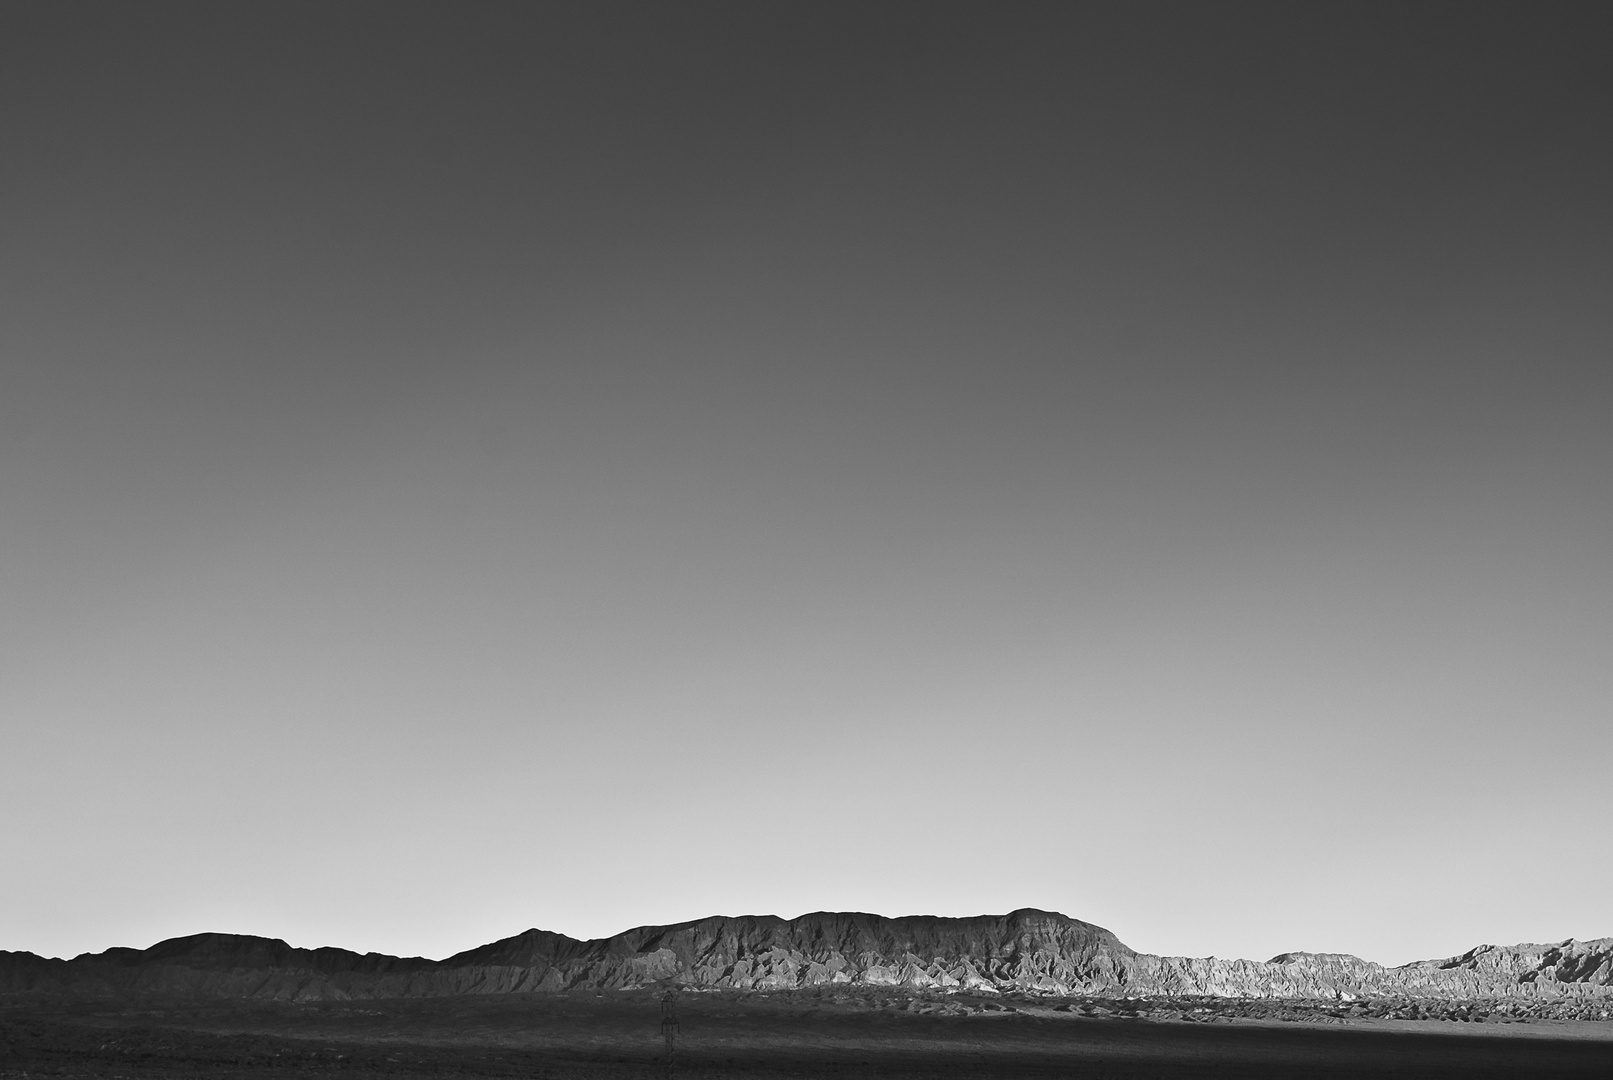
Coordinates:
[470,467]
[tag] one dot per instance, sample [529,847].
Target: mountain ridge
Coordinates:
[1026,951]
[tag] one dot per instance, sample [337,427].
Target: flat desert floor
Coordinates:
[845,1036]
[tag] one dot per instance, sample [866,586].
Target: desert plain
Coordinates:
[838,995]
[843,1033]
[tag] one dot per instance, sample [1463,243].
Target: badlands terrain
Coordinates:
[1031,993]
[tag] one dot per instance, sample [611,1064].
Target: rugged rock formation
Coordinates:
[1027,951]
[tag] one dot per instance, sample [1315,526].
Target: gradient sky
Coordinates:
[473,467]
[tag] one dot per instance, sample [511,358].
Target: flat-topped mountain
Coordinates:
[1027,951]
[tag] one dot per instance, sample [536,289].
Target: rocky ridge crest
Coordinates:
[1026,951]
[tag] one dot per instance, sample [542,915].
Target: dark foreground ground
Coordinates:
[834,1034]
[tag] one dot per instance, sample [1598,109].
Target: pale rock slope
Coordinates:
[1026,951]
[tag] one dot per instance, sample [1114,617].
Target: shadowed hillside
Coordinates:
[1026,951]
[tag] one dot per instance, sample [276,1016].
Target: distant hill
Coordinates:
[1026,950]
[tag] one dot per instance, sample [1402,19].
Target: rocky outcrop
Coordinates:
[1027,951]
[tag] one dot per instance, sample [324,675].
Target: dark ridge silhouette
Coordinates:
[1027,951]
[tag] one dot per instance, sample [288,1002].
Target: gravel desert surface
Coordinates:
[842,995]
[828,1032]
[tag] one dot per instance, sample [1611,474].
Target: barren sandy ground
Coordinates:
[736,1037]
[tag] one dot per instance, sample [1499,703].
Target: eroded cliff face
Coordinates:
[1027,951]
